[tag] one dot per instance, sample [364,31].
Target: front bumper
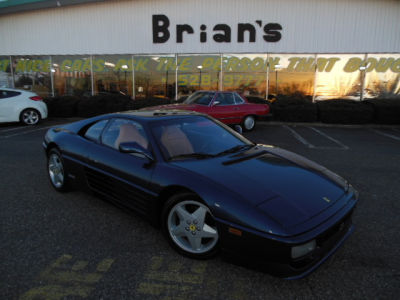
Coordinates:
[274,255]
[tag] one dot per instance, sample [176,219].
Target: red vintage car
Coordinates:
[228,107]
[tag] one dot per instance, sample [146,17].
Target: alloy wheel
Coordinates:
[56,170]
[192,227]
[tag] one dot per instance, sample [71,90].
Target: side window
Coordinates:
[123,131]
[93,132]
[225,99]
[238,99]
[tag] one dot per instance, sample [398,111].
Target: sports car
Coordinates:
[227,107]
[207,186]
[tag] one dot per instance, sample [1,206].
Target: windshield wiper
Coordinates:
[191,155]
[236,149]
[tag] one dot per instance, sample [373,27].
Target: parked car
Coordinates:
[227,107]
[21,106]
[207,187]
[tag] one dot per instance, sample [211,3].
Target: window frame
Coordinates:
[83,133]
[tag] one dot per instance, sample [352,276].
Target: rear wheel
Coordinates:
[30,116]
[56,171]
[189,226]
[249,122]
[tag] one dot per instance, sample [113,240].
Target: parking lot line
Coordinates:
[397,138]
[299,137]
[12,129]
[25,132]
[396,129]
[343,146]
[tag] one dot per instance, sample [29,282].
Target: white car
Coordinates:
[21,106]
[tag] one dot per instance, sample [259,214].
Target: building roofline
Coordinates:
[15,6]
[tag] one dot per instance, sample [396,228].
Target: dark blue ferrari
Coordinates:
[207,186]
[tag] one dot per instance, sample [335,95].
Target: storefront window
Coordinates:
[339,76]
[154,76]
[246,74]
[5,72]
[32,73]
[72,75]
[112,74]
[198,72]
[382,77]
[291,74]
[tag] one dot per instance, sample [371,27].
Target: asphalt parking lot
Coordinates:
[75,246]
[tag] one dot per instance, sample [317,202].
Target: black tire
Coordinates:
[56,169]
[30,116]
[182,244]
[249,122]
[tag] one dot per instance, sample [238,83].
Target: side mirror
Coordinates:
[238,129]
[135,148]
[216,103]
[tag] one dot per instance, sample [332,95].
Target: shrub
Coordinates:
[294,109]
[257,100]
[148,102]
[386,111]
[345,111]
[101,104]
[62,106]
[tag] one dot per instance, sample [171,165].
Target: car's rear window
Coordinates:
[94,131]
[201,98]
[8,94]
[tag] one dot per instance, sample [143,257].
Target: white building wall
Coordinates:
[119,27]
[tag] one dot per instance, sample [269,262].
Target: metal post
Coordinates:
[315,78]
[221,76]
[12,73]
[176,77]
[91,73]
[363,74]
[133,79]
[267,79]
[51,76]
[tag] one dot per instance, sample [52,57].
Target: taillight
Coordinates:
[36,98]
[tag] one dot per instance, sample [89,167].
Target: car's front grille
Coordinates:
[336,232]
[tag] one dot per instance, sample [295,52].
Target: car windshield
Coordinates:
[196,137]
[202,98]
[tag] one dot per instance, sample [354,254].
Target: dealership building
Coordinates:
[323,49]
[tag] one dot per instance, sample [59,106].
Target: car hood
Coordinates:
[287,187]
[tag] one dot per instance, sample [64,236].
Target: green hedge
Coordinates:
[386,111]
[285,108]
[72,106]
[345,112]
[294,109]
[63,106]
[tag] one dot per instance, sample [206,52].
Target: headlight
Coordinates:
[304,249]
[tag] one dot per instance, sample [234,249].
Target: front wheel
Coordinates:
[56,171]
[249,122]
[189,226]
[30,116]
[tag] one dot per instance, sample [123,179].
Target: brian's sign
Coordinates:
[221,33]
